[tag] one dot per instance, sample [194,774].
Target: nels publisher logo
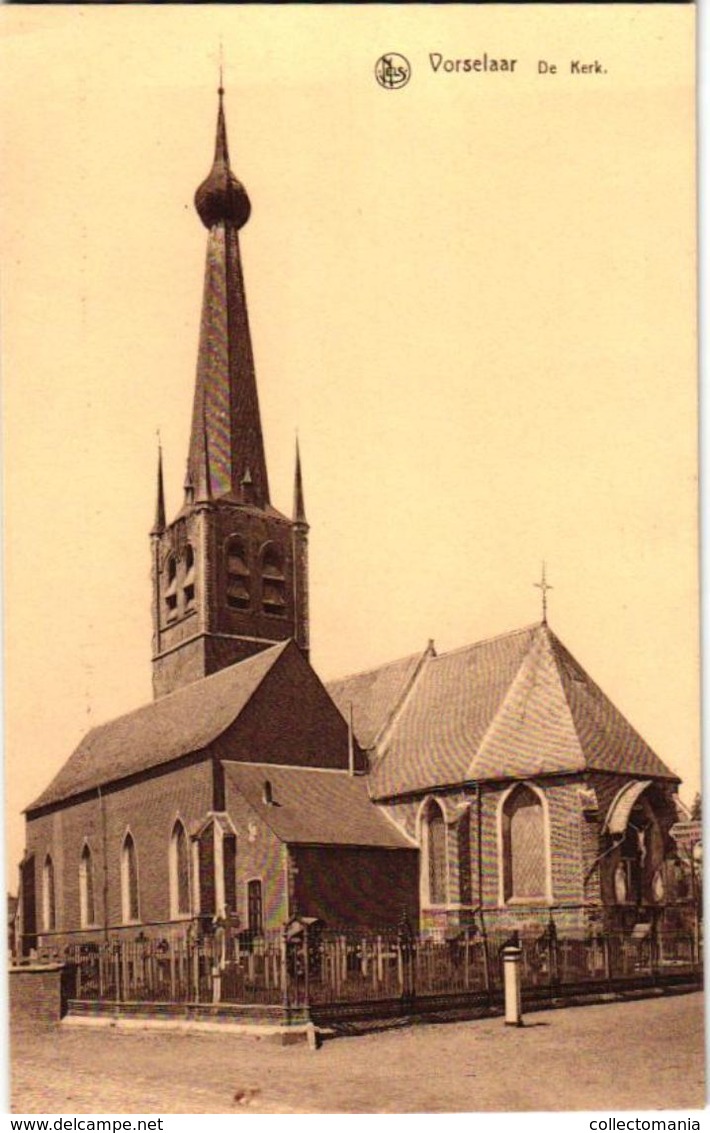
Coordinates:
[393,71]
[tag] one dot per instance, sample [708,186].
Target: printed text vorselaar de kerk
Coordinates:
[485,63]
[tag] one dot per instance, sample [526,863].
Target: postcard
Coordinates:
[351,559]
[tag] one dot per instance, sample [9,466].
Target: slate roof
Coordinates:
[183,722]
[374,695]
[515,706]
[315,807]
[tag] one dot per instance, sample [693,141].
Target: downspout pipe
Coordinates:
[104,840]
[479,857]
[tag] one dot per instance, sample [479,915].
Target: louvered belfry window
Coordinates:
[273,583]
[436,854]
[238,584]
[171,598]
[188,585]
[524,851]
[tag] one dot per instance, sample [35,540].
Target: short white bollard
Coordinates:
[511,984]
[216,985]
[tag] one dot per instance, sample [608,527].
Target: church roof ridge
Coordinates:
[644,758]
[512,706]
[319,809]
[272,651]
[376,668]
[437,656]
[506,634]
[178,724]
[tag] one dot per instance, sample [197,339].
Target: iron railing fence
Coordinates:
[322,967]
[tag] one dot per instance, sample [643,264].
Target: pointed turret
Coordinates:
[159,525]
[300,559]
[299,506]
[189,486]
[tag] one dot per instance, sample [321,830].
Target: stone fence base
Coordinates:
[285,1025]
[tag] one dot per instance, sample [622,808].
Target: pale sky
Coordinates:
[474,297]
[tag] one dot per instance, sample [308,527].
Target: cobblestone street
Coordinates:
[642,1055]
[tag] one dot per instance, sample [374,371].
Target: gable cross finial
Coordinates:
[544,586]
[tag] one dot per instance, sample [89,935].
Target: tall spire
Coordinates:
[230,573]
[159,524]
[300,560]
[226,424]
[299,506]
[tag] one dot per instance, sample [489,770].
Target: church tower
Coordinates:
[230,572]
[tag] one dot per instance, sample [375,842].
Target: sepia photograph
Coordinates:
[351,586]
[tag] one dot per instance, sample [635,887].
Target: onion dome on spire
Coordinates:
[221,198]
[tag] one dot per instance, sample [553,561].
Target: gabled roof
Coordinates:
[315,807]
[179,724]
[375,695]
[512,707]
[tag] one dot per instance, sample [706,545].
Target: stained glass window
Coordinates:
[86,888]
[436,853]
[524,852]
[129,880]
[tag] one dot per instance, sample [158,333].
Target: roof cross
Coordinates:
[544,586]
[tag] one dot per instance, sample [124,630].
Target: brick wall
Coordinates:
[291,720]
[573,840]
[224,635]
[38,995]
[350,887]
[260,855]
[149,809]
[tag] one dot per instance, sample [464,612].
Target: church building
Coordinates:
[493,787]
[527,791]
[240,791]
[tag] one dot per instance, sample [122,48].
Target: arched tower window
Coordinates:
[49,897]
[188,585]
[434,830]
[179,872]
[129,881]
[238,582]
[87,911]
[524,846]
[273,582]
[171,597]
